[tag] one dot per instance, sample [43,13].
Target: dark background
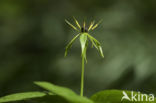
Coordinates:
[33,36]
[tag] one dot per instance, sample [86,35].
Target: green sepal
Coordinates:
[70,45]
[85,56]
[96,44]
[84,44]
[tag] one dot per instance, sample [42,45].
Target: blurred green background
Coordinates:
[33,36]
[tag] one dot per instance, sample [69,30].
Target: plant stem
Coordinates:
[82,76]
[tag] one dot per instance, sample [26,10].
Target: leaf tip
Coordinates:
[37,82]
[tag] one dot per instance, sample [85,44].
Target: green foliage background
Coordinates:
[33,36]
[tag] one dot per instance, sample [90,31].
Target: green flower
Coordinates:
[84,36]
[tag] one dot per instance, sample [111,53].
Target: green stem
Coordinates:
[82,76]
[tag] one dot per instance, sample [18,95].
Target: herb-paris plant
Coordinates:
[84,38]
[59,94]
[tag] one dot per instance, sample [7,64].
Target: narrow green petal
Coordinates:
[84,24]
[91,25]
[70,44]
[77,23]
[96,25]
[71,25]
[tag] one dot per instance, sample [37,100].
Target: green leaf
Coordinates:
[50,99]
[63,92]
[70,44]
[21,96]
[115,96]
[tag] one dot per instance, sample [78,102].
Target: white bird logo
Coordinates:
[125,96]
